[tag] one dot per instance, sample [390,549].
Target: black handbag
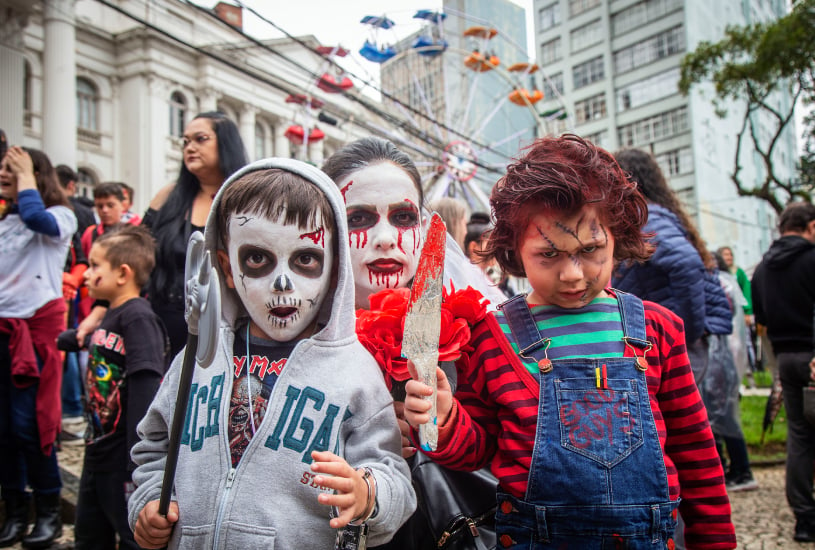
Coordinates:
[458,507]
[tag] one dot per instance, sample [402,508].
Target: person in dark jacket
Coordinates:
[681,276]
[783,289]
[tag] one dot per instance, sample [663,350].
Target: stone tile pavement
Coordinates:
[762,518]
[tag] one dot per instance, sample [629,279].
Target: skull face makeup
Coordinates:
[382,205]
[281,273]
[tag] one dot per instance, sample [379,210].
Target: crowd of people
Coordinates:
[590,358]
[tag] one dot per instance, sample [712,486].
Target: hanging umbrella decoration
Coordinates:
[374,49]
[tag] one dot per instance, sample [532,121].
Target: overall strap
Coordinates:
[532,345]
[632,313]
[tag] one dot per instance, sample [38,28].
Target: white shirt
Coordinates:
[31,263]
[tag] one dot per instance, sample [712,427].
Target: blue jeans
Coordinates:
[71,386]
[21,459]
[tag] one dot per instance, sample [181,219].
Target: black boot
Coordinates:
[48,527]
[16,525]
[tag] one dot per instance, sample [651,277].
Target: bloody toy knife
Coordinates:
[420,342]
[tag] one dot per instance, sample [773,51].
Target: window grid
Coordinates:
[86,105]
[649,50]
[676,162]
[579,6]
[651,129]
[551,51]
[178,111]
[552,84]
[650,89]
[600,139]
[549,16]
[641,13]
[588,72]
[585,36]
[592,108]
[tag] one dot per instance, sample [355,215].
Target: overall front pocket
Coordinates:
[601,424]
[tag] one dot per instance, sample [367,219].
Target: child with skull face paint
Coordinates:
[580,397]
[282,428]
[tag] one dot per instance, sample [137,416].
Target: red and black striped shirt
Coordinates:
[498,411]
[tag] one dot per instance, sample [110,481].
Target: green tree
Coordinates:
[751,64]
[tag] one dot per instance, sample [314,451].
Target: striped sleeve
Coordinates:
[693,464]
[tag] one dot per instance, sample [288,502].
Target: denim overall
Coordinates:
[597,478]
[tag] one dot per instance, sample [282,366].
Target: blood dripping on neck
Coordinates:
[384,279]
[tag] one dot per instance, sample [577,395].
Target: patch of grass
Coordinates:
[752,419]
[762,378]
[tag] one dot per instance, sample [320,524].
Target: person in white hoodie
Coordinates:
[290,434]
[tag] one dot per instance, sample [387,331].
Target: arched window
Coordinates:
[178,113]
[85,182]
[27,94]
[260,141]
[87,105]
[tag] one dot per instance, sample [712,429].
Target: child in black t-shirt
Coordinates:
[125,367]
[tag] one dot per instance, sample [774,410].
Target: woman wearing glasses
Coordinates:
[213,150]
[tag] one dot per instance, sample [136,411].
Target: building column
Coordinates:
[12,73]
[207,101]
[59,88]
[280,143]
[247,129]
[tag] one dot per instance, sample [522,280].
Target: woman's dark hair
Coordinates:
[366,152]
[564,174]
[3,144]
[643,169]
[47,182]
[174,215]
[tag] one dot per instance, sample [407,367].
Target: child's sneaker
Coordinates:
[742,482]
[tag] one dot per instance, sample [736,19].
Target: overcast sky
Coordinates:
[337,21]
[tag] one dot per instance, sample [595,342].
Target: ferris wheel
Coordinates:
[466,96]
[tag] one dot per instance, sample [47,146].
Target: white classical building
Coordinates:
[615,65]
[106,86]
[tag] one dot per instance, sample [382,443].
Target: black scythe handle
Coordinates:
[179,414]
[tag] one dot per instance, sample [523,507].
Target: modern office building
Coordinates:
[615,65]
[461,104]
[108,89]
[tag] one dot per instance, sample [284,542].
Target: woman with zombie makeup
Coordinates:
[383,198]
[292,405]
[212,150]
[580,397]
[36,229]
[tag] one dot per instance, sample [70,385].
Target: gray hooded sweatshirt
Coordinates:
[330,396]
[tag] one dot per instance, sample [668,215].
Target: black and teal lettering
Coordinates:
[198,442]
[185,434]
[214,405]
[273,441]
[305,424]
[323,437]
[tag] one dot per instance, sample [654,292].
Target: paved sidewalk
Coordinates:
[762,518]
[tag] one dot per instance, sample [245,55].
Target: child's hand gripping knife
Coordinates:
[417,407]
[152,529]
[354,493]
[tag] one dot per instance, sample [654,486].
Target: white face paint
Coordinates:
[281,273]
[382,205]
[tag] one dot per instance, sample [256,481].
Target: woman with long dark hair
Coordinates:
[36,228]
[213,150]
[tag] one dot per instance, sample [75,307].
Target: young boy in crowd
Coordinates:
[579,396]
[128,216]
[292,418]
[125,367]
[108,201]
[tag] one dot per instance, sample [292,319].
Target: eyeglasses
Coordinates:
[199,140]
